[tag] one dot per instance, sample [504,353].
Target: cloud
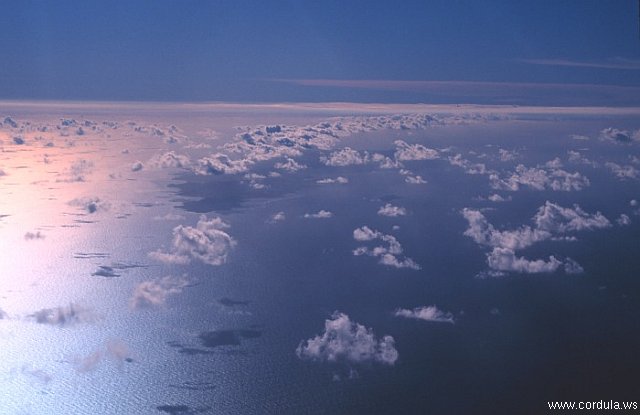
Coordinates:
[507,155]
[338,180]
[623,172]
[545,177]
[555,218]
[278,217]
[483,233]
[219,163]
[577,157]
[289,165]
[170,159]
[385,162]
[137,166]
[623,220]
[345,157]
[616,136]
[504,259]
[579,137]
[467,166]
[346,341]
[406,152]
[207,242]
[154,293]
[414,179]
[64,316]
[427,313]
[322,214]
[497,198]
[391,210]
[550,220]
[387,255]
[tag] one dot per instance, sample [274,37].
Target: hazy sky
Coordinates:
[486,51]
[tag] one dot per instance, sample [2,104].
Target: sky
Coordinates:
[490,52]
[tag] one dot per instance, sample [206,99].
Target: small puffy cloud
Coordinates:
[616,136]
[338,180]
[579,137]
[414,179]
[137,166]
[322,214]
[64,315]
[207,242]
[406,152]
[385,162]
[468,166]
[387,255]
[278,217]
[496,198]
[170,159]
[18,140]
[623,220]
[427,313]
[344,340]
[623,172]
[572,267]
[345,157]
[289,165]
[154,293]
[507,155]
[391,210]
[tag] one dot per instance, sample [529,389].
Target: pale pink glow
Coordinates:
[613,63]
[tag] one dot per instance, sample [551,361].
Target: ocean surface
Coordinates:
[105,310]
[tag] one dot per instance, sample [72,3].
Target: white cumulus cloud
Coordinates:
[391,210]
[207,242]
[389,255]
[344,340]
[427,313]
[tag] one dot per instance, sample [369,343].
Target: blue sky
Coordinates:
[487,52]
